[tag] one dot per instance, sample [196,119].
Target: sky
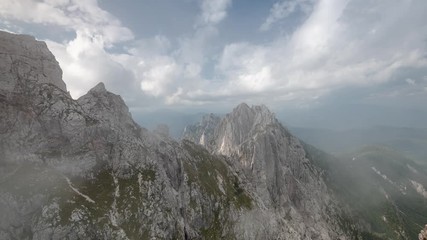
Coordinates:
[323,63]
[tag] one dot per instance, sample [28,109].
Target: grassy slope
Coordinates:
[389,209]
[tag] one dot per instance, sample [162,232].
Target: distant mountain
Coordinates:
[276,167]
[380,172]
[410,142]
[331,114]
[385,190]
[175,120]
[83,169]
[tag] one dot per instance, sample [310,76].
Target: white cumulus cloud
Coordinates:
[284,9]
[337,44]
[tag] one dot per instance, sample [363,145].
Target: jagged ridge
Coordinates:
[276,167]
[83,169]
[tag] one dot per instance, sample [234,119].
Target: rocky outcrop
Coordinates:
[423,234]
[276,167]
[83,169]
[200,132]
[25,59]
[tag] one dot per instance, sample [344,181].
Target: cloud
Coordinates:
[247,66]
[336,45]
[159,75]
[410,81]
[213,11]
[284,9]
[77,15]
[84,59]
[322,55]
[341,44]
[171,72]
[85,62]
[34,12]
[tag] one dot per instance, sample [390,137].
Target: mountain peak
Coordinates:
[242,107]
[27,61]
[100,87]
[106,105]
[267,155]
[225,135]
[57,152]
[248,117]
[261,108]
[254,109]
[238,126]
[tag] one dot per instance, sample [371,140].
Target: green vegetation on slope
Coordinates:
[376,183]
[214,177]
[219,186]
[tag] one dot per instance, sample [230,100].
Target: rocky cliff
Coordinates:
[277,169]
[22,57]
[83,169]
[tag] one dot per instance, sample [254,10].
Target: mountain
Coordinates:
[410,142]
[381,172]
[175,120]
[83,169]
[275,165]
[384,189]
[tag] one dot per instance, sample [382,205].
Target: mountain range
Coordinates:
[84,169]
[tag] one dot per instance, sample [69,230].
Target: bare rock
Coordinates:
[25,59]
[83,169]
[276,168]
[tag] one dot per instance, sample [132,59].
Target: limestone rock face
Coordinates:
[22,57]
[200,132]
[423,234]
[242,124]
[275,166]
[83,169]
